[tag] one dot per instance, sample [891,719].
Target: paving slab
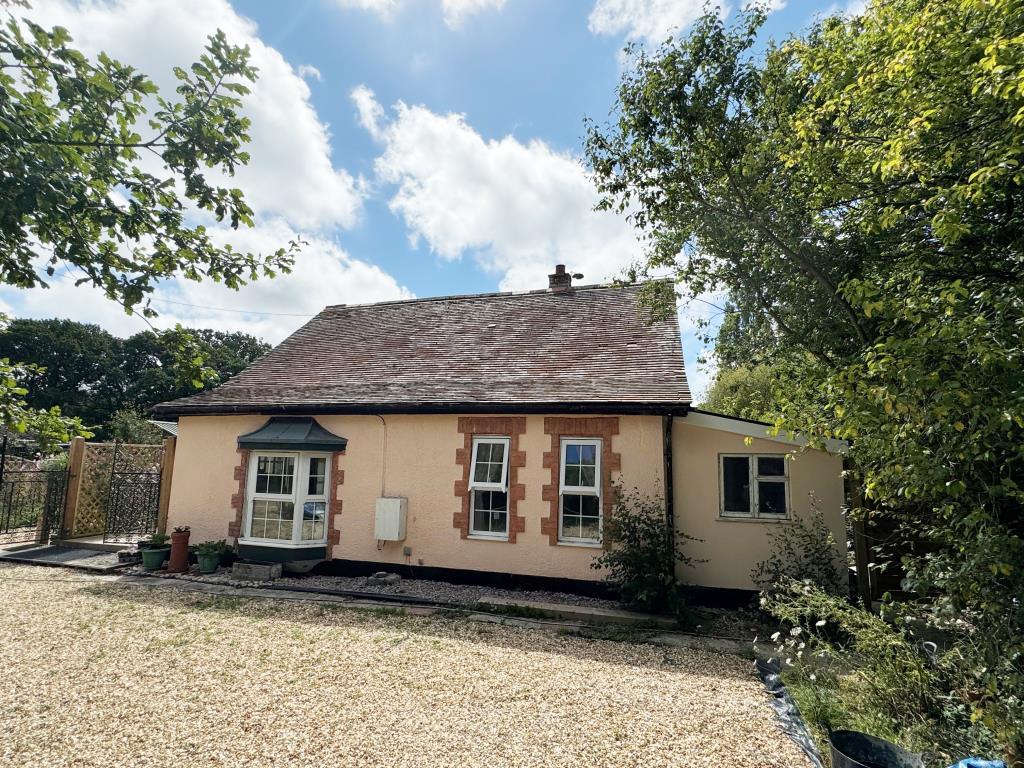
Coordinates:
[583,613]
[65,557]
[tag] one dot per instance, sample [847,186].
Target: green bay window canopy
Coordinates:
[292,434]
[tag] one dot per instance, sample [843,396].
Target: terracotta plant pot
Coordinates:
[152,559]
[179,552]
[208,562]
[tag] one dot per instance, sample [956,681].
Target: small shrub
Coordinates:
[849,668]
[804,550]
[642,554]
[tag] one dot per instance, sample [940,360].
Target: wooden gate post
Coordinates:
[166,473]
[76,457]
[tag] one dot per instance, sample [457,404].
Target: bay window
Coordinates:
[488,488]
[287,499]
[754,486]
[579,518]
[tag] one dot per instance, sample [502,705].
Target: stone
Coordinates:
[255,571]
[383,577]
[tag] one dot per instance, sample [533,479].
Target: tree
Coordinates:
[107,179]
[748,393]
[857,191]
[129,426]
[90,374]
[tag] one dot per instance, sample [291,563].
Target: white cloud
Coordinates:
[455,12]
[519,208]
[309,71]
[369,112]
[291,173]
[271,309]
[648,20]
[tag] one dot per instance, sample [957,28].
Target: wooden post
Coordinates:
[166,473]
[76,459]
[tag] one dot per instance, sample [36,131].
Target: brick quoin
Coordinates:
[238,498]
[603,427]
[334,483]
[492,426]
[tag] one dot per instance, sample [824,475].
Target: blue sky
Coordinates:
[421,147]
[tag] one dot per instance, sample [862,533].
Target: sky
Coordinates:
[420,147]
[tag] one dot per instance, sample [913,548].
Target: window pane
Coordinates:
[571,504]
[494,474]
[571,526]
[497,453]
[771,498]
[587,477]
[736,483]
[317,476]
[590,506]
[572,477]
[572,454]
[588,454]
[771,466]
[261,483]
[274,484]
[272,519]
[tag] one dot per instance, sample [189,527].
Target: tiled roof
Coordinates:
[588,348]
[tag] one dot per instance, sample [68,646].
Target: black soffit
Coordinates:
[294,433]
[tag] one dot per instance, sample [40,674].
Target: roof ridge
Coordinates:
[496,294]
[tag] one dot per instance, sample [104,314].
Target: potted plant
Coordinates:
[155,551]
[208,553]
[179,549]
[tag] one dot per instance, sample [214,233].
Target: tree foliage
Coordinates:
[116,184]
[857,191]
[92,375]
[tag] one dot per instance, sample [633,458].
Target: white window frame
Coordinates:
[299,496]
[753,487]
[500,487]
[580,490]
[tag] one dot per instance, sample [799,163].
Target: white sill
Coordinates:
[282,544]
[737,519]
[584,544]
[485,537]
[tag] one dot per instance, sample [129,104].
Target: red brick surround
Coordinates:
[334,483]
[558,427]
[499,426]
[238,498]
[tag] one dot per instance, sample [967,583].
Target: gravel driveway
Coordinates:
[98,674]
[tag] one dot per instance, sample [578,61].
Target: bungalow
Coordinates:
[478,435]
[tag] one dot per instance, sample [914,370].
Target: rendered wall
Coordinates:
[732,547]
[420,464]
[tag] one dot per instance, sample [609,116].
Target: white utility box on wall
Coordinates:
[389,524]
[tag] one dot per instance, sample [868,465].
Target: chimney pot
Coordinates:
[560,280]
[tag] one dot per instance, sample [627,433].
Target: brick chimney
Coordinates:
[560,281]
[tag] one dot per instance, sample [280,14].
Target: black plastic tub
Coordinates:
[853,749]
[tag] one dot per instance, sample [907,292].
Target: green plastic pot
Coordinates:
[152,559]
[208,562]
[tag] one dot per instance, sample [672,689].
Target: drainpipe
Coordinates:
[670,512]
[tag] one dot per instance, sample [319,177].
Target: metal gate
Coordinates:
[133,503]
[32,494]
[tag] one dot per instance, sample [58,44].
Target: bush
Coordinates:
[804,550]
[849,668]
[642,554]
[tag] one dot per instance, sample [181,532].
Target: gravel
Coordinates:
[101,674]
[440,591]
